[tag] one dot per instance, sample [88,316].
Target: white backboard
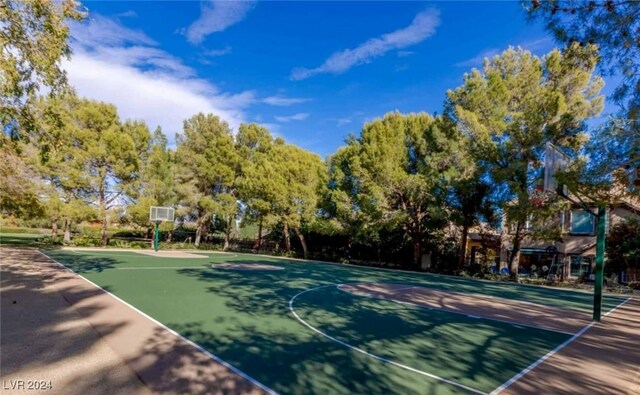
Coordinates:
[161,213]
[554,161]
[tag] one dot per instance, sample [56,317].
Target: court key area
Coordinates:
[255,324]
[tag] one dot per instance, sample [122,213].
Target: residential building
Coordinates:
[574,257]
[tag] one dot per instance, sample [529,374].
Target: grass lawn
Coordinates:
[20,239]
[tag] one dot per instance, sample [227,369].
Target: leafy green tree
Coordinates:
[470,202]
[614,26]
[107,153]
[67,209]
[206,170]
[298,176]
[157,180]
[33,41]
[255,183]
[623,246]
[86,156]
[395,174]
[513,107]
[20,185]
[343,205]
[53,151]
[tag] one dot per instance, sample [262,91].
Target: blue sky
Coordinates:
[312,72]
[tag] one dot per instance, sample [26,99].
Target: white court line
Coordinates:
[620,305]
[405,288]
[551,353]
[157,268]
[210,254]
[456,312]
[379,358]
[114,253]
[196,346]
[142,255]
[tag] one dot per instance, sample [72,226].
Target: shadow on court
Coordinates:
[244,318]
[294,358]
[45,338]
[85,263]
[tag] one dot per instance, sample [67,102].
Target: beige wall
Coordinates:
[620,214]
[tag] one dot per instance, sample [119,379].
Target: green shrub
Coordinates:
[85,241]
[128,243]
[50,240]
[130,233]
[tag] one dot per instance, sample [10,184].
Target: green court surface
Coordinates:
[324,340]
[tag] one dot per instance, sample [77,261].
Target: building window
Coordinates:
[582,222]
[580,266]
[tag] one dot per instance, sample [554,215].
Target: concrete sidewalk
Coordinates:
[604,360]
[58,329]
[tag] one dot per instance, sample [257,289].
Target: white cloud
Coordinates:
[543,44]
[126,68]
[301,116]
[218,52]
[216,16]
[343,121]
[127,14]
[282,101]
[274,128]
[143,57]
[539,44]
[404,54]
[100,30]
[478,59]
[423,26]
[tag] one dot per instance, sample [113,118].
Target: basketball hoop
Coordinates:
[158,215]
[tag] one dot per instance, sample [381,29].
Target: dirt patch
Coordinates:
[478,306]
[245,266]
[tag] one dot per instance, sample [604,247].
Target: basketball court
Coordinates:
[279,325]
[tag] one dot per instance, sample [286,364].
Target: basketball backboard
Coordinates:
[554,161]
[161,214]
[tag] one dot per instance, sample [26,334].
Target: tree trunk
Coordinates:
[259,245]
[514,257]
[67,231]
[227,234]
[200,230]
[302,241]
[54,229]
[416,251]
[463,247]
[103,213]
[415,232]
[287,241]
[169,236]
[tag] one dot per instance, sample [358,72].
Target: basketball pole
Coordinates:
[551,152]
[599,280]
[156,237]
